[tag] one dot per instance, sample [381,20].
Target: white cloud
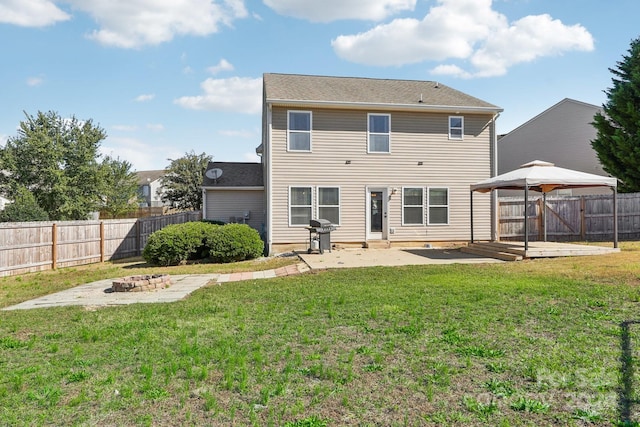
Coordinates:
[135,23]
[156,127]
[332,10]
[235,94]
[223,65]
[238,133]
[145,97]
[124,128]
[31,13]
[187,70]
[34,81]
[251,156]
[464,30]
[3,140]
[141,155]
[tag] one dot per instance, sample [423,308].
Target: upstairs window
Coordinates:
[299,131]
[456,127]
[438,206]
[412,206]
[378,135]
[329,204]
[299,205]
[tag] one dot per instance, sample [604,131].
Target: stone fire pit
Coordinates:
[147,282]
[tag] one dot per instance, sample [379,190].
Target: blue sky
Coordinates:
[165,77]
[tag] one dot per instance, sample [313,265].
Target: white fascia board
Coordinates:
[382,106]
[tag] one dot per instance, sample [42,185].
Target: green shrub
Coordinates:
[234,242]
[25,207]
[213,221]
[178,243]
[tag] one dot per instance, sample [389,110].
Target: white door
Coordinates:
[377,214]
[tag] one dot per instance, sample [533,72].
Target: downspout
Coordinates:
[494,172]
[204,203]
[269,180]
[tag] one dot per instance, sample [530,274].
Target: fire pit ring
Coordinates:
[141,283]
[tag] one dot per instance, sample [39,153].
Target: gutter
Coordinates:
[384,106]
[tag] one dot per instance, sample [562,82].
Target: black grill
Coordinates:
[320,235]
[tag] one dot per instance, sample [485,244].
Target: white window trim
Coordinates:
[429,206]
[369,133]
[300,131]
[413,206]
[339,205]
[457,138]
[298,206]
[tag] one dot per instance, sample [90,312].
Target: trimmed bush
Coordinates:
[213,221]
[177,243]
[234,242]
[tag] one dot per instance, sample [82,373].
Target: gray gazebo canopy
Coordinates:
[544,177]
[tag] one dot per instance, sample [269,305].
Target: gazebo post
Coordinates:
[544,214]
[615,217]
[526,219]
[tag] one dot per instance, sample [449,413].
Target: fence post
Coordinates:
[541,213]
[583,222]
[138,238]
[54,245]
[101,241]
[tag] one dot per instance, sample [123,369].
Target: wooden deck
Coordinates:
[514,251]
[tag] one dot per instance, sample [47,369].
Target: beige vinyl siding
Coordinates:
[223,204]
[341,135]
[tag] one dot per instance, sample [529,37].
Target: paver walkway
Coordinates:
[98,294]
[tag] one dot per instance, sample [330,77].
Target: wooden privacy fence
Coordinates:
[36,246]
[579,218]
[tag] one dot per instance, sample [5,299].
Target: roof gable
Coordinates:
[145,177]
[345,91]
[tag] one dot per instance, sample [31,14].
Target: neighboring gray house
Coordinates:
[233,192]
[561,135]
[389,162]
[150,188]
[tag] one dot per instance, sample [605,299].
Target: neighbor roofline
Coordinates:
[382,106]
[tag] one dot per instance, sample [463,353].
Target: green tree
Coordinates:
[119,187]
[23,208]
[183,181]
[617,141]
[57,159]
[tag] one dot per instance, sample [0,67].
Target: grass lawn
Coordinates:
[538,342]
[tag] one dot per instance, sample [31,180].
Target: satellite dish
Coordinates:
[214,173]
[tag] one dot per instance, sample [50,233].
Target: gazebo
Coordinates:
[544,177]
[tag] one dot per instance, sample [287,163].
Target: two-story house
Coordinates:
[561,134]
[389,162]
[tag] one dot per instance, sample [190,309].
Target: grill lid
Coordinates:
[320,223]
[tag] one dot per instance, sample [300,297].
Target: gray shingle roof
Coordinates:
[356,90]
[235,174]
[149,176]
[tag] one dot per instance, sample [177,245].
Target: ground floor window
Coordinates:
[438,206]
[412,206]
[329,204]
[300,205]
